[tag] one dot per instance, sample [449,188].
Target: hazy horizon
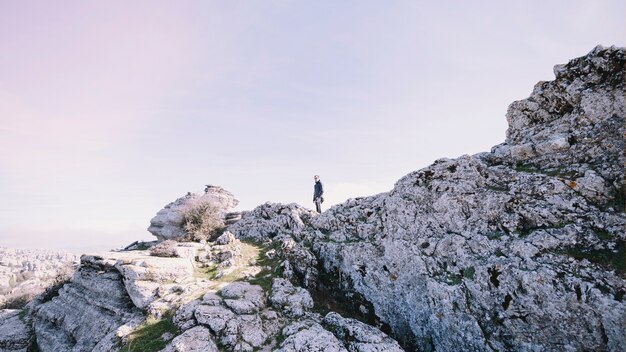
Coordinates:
[111,110]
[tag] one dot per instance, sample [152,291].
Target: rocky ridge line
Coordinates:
[521,248]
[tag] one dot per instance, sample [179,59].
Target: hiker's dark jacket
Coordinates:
[318,190]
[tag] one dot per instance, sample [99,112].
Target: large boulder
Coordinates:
[574,126]
[169,221]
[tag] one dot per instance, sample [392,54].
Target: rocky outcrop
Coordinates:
[16,333]
[245,301]
[239,318]
[521,248]
[197,339]
[169,221]
[108,295]
[271,220]
[335,333]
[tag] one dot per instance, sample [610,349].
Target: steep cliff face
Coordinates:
[86,313]
[522,248]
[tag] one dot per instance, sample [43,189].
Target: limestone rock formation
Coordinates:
[272,219]
[114,296]
[197,339]
[16,333]
[107,297]
[522,248]
[519,249]
[168,222]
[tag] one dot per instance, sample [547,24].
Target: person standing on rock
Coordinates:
[318,191]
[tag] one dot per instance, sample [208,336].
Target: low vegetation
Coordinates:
[269,263]
[202,221]
[150,335]
[612,259]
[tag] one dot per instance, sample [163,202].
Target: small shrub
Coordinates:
[166,248]
[202,221]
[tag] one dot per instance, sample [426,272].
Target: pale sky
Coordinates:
[109,110]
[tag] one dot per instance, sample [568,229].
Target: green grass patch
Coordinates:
[206,272]
[147,337]
[526,168]
[469,272]
[454,280]
[270,267]
[493,235]
[497,188]
[603,235]
[612,259]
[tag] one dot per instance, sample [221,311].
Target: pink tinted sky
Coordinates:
[110,110]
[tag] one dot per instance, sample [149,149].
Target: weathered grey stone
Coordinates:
[211,299]
[270,220]
[292,301]
[517,249]
[226,238]
[197,339]
[309,336]
[358,336]
[251,328]
[243,290]
[15,334]
[184,317]
[214,317]
[87,311]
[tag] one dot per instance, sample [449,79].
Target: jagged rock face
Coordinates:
[271,220]
[519,249]
[107,298]
[197,339]
[86,313]
[335,333]
[240,319]
[575,124]
[168,222]
[16,334]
